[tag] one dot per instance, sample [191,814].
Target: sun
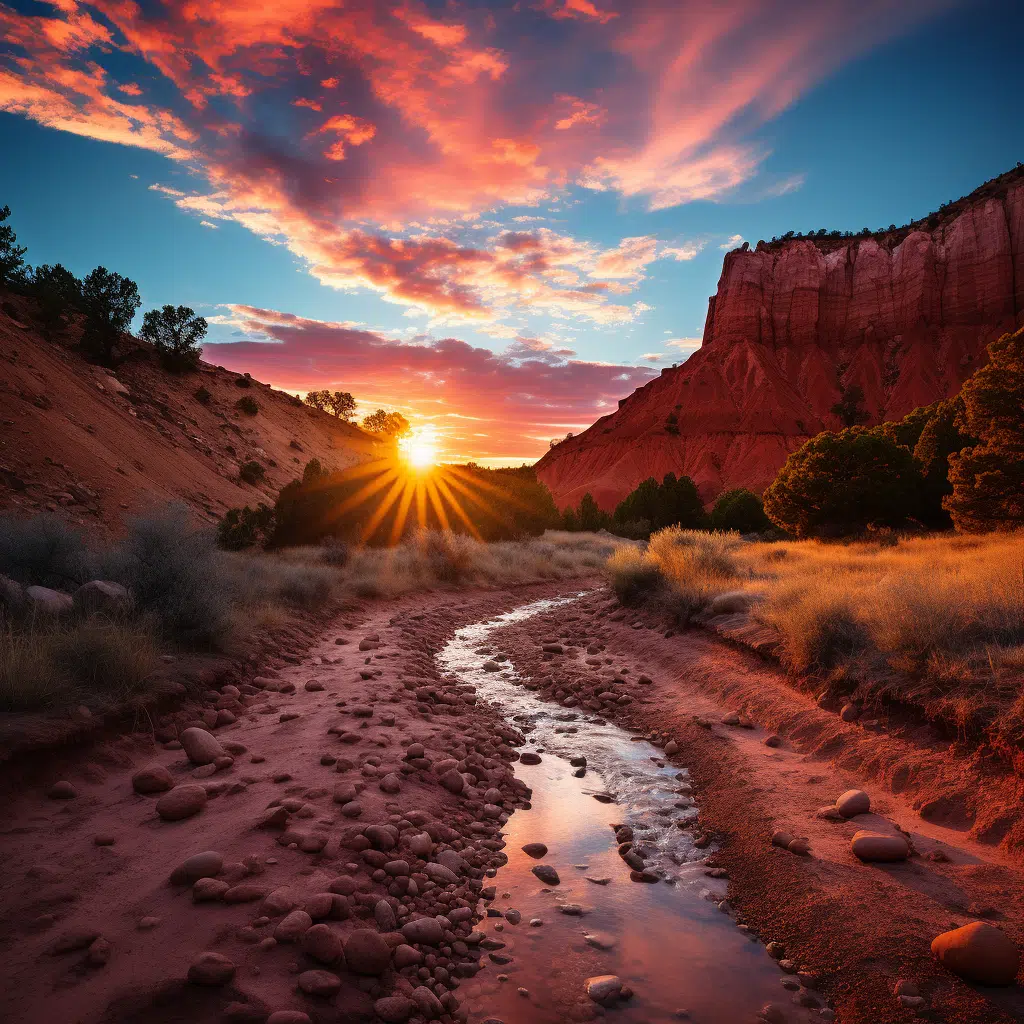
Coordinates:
[420,448]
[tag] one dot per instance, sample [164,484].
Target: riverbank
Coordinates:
[859,928]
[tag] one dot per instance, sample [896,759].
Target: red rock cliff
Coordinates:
[906,316]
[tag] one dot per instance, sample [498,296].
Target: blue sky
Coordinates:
[875,129]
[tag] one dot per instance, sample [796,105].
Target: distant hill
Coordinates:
[96,445]
[873,325]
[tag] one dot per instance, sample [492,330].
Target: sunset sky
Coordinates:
[498,217]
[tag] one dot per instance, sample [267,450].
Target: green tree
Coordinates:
[317,399]
[387,424]
[570,521]
[11,263]
[850,408]
[177,334]
[110,302]
[741,510]
[58,293]
[842,483]
[342,405]
[987,478]
[670,503]
[589,515]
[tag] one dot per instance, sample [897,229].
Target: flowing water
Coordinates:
[684,958]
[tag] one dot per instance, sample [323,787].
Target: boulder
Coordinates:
[978,952]
[367,952]
[853,802]
[154,778]
[424,930]
[102,596]
[876,847]
[44,601]
[199,865]
[181,802]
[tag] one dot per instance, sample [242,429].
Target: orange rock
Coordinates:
[978,952]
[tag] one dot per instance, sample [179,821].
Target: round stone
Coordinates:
[181,802]
[978,952]
[367,952]
[853,802]
[211,969]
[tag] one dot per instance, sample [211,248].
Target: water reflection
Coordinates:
[681,955]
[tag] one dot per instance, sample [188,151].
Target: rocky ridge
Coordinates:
[792,329]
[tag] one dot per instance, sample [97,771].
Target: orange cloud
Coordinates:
[438,119]
[485,405]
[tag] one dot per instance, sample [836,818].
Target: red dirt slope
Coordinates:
[904,315]
[96,445]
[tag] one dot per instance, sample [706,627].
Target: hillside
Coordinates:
[95,445]
[794,327]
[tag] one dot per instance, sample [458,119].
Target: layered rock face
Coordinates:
[793,328]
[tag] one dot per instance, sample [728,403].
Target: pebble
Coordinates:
[211,969]
[200,746]
[604,988]
[319,983]
[199,865]
[62,790]
[367,952]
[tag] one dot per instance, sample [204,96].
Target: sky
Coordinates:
[496,217]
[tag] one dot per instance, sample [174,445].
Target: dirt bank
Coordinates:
[861,928]
[93,930]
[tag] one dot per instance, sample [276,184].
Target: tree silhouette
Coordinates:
[176,333]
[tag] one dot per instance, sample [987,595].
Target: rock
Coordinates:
[367,952]
[279,902]
[801,847]
[199,865]
[546,873]
[394,1009]
[849,713]
[407,956]
[206,890]
[385,916]
[421,845]
[62,791]
[424,931]
[453,781]
[390,784]
[535,850]
[440,874]
[853,802]
[427,1003]
[875,847]
[46,602]
[102,596]
[730,603]
[319,983]
[772,1013]
[782,839]
[530,757]
[200,746]
[978,952]
[322,943]
[181,802]
[671,748]
[98,953]
[72,941]
[293,926]
[211,969]
[155,778]
[604,988]
[781,312]
[289,1017]
[247,892]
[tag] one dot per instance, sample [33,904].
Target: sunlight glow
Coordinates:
[420,448]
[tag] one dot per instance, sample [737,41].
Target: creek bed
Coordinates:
[683,957]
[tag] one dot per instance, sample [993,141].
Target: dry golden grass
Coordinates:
[444,559]
[934,622]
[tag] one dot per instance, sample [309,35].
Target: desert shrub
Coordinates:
[242,380]
[633,577]
[95,661]
[174,573]
[696,565]
[336,553]
[45,551]
[450,556]
[988,478]
[252,472]
[202,396]
[838,484]
[245,527]
[247,405]
[177,335]
[110,302]
[741,510]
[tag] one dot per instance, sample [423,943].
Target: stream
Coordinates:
[683,957]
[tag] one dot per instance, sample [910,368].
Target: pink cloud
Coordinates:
[483,404]
[437,117]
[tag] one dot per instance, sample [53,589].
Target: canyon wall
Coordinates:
[793,327]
